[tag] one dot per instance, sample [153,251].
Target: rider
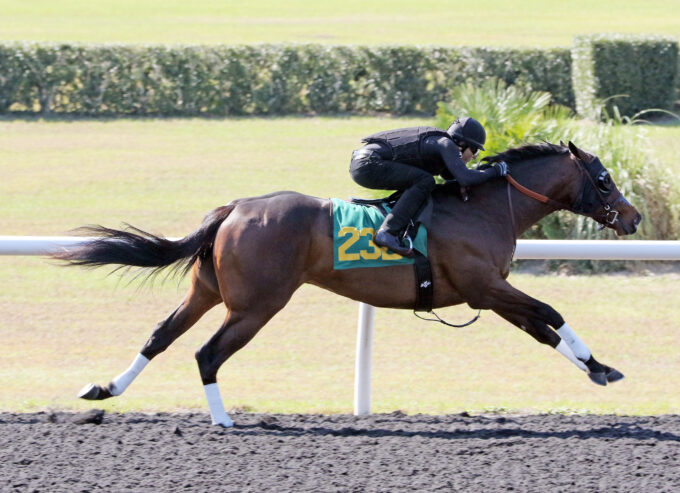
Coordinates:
[408,158]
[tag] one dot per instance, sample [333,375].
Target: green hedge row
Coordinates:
[280,79]
[643,68]
[260,79]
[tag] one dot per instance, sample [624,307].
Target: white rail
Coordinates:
[37,245]
[526,249]
[597,250]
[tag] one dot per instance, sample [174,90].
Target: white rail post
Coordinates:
[362,366]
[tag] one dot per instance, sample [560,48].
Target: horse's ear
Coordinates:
[562,143]
[576,151]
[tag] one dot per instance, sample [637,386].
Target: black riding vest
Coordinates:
[405,143]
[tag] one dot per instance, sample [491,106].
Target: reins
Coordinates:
[536,195]
[529,193]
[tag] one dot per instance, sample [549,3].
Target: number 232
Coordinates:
[373,253]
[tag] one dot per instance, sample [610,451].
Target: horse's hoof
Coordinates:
[600,378]
[92,392]
[613,375]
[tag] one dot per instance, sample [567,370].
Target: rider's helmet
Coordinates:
[469,131]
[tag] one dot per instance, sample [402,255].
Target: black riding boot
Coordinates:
[372,169]
[387,238]
[389,234]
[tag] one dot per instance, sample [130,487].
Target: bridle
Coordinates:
[608,216]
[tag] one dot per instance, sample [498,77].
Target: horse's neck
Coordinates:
[552,176]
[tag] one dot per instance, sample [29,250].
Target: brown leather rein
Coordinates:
[534,195]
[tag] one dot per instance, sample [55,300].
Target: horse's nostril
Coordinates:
[637,219]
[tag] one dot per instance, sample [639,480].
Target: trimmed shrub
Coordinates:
[642,68]
[546,70]
[260,79]
[284,79]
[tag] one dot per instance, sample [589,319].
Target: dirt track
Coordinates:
[182,452]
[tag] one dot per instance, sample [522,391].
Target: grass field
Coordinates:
[64,327]
[486,22]
[165,174]
[666,142]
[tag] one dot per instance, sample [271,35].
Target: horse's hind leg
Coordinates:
[201,297]
[250,308]
[238,329]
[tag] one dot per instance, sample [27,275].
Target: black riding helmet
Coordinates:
[469,130]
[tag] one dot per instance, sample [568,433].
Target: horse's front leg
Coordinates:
[535,318]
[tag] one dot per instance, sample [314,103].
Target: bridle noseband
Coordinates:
[610,214]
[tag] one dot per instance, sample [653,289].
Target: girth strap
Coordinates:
[424,286]
[425,292]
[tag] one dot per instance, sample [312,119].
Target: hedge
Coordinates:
[283,79]
[260,79]
[644,68]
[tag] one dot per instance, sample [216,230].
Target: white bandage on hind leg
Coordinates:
[217,413]
[580,350]
[122,381]
[564,349]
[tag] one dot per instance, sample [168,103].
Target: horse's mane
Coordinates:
[526,152]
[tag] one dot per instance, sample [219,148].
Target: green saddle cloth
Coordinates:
[354,227]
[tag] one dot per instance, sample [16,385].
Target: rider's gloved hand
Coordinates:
[501,168]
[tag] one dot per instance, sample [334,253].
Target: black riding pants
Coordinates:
[371,170]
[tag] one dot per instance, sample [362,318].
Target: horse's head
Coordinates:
[600,198]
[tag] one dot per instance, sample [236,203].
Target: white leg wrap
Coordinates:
[564,349]
[122,381]
[579,349]
[217,413]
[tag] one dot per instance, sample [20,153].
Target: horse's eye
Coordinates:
[604,182]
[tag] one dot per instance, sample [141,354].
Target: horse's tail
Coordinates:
[134,247]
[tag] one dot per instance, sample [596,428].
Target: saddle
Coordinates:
[385,204]
[424,214]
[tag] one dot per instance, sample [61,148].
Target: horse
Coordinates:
[254,253]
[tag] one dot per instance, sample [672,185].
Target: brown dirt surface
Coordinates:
[59,451]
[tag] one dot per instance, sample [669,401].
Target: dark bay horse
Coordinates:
[253,253]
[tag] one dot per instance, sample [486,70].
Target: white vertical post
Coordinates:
[362,367]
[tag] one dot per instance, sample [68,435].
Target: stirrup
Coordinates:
[395,244]
[411,251]
[410,242]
